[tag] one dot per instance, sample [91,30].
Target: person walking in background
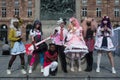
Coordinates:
[50,61]
[75,45]
[104,42]
[17,46]
[6,49]
[89,29]
[36,36]
[58,38]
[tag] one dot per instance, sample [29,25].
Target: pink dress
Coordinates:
[75,42]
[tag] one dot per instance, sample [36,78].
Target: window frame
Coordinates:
[84,2]
[17,11]
[98,2]
[98,12]
[29,3]
[16,3]
[84,11]
[117,2]
[29,12]
[4,12]
[116,12]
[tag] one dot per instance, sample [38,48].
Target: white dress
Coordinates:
[103,41]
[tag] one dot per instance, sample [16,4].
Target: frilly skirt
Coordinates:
[18,48]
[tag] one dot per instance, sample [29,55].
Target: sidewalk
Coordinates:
[105,73]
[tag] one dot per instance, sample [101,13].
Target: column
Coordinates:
[37,9]
[78,9]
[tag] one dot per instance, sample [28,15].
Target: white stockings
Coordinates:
[73,56]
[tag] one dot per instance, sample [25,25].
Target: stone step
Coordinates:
[59,78]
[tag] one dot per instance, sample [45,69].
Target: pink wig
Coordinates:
[76,22]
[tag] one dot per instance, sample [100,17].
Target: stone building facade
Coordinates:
[99,8]
[29,10]
[24,8]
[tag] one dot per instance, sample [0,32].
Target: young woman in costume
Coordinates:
[89,26]
[75,45]
[17,46]
[36,35]
[104,42]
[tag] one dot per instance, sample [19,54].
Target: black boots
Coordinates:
[89,60]
[88,69]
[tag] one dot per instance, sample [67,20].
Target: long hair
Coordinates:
[76,22]
[12,21]
[106,18]
[93,24]
[34,25]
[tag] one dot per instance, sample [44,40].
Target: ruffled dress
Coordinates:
[103,40]
[18,47]
[75,42]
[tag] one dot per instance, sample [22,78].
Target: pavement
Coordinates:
[105,73]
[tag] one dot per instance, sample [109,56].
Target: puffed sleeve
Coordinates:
[98,33]
[32,33]
[11,35]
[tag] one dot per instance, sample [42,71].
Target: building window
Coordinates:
[117,2]
[98,2]
[116,12]
[3,12]
[16,11]
[16,6]
[84,12]
[84,2]
[29,3]
[98,12]
[16,3]
[29,11]
[3,8]
[3,3]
